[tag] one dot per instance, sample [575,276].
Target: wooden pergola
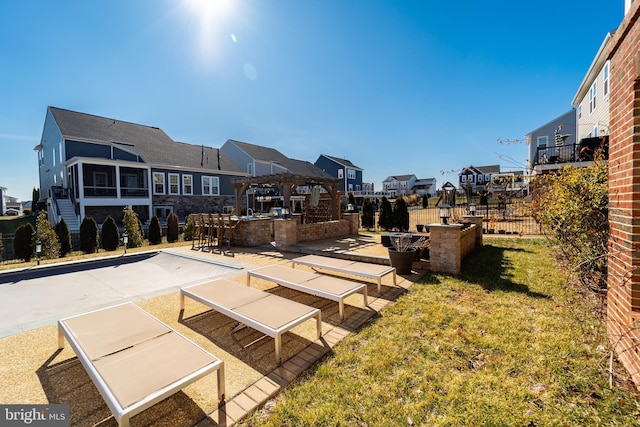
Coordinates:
[286,183]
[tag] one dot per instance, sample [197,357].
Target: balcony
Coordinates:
[584,151]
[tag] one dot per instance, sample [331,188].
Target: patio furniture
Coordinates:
[357,268]
[332,288]
[135,360]
[265,312]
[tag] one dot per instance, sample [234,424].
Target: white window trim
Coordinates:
[211,180]
[184,185]
[340,173]
[606,80]
[593,95]
[155,174]
[463,178]
[351,174]
[250,169]
[177,183]
[543,138]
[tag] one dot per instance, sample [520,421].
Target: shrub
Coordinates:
[155,232]
[425,200]
[110,234]
[88,235]
[132,227]
[23,242]
[385,220]
[47,236]
[368,220]
[64,237]
[572,208]
[400,215]
[173,228]
[189,228]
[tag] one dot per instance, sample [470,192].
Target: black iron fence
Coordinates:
[498,218]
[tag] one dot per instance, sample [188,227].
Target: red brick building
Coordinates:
[624,191]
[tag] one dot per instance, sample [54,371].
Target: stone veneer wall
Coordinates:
[253,232]
[449,244]
[289,232]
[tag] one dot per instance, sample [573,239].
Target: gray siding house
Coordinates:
[545,153]
[95,166]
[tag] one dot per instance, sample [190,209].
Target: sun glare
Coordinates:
[211,19]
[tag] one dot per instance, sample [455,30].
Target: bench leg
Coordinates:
[60,337]
[365,294]
[341,309]
[278,341]
[319,324]
[181,301]
[221,390]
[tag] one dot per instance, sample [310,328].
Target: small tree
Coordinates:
[47,236]
[23,242]
[352,201]
[155,232]
[385,220]
[64,237]
[189,228]
[368,220]
[425,200]
[173,228]
[88,235]
[400,215]
[110,234]
[132,227]
[35,198]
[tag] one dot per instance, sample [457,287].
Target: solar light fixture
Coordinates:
[445,213]
[38,251]
[125,241]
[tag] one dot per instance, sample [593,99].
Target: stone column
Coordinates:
[354,222]
[445,253]
[477,220]
[285,231]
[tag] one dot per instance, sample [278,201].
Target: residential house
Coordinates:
[424,186]
[591,102]
[257,160]
[553,144]
[623,294]
[95,166]
[3,203]
[475,179]
[13,206]
[398,185]
[349,174]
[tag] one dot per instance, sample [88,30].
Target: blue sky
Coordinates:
[396,87]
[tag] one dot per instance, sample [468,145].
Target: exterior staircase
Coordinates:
[65,206]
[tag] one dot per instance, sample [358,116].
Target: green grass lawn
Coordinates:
[507,343]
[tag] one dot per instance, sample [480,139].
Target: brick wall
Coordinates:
[623,296]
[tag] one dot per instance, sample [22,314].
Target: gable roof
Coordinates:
[266,154]
[399,178]
[343,162]
[153,145]
[481,169]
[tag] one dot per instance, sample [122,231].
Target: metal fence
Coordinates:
[498,218]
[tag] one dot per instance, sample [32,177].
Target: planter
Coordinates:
[402,261]
[420,228]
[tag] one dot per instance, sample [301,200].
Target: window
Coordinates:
[340,173]
[158,183]
[487,177]
[595,130]
[350,187]
[542,141]
[99,179]
[605,84]
[174,183]
[592,97]
[187,184]
[351,174]
[470,178]
[480,178]
[210,186]
[250,169]
[463,178]
[580,111]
